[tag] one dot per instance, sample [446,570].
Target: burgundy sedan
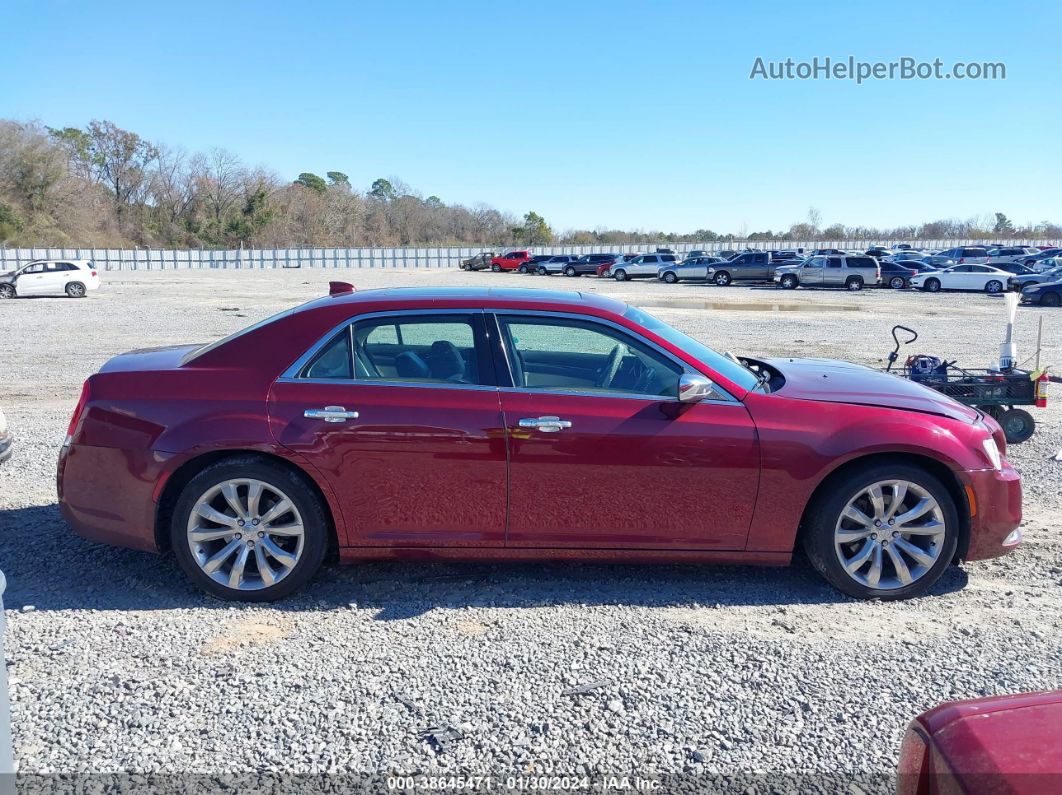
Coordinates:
[523,424]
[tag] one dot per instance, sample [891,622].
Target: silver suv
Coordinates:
[849,272]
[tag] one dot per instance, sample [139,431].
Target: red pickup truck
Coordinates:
[510,261]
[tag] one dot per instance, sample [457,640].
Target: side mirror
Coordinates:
[693,388]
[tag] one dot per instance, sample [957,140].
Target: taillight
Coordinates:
[913,772]
[962,260]
[94,273]
[78,411]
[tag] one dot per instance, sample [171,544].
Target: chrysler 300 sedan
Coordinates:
[523,424]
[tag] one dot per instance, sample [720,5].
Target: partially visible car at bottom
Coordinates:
[1045,294]
[962,277]
[72,277]
[423,423]
[6,439]
[690,269]
[1003,745]
[852,273]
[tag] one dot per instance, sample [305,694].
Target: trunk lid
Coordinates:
[149,359]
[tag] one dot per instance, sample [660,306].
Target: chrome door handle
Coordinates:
[330,414]
[545,424]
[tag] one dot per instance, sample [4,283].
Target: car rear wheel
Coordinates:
[670,277]
[570,271]
[788,282]
[1018,425]
[248,530]
[932,285]
[854,283]
[897,282]
[1047,299]
[722,278]
[994,287]
[885,531]
[7,291]
[620,276]
[75,290]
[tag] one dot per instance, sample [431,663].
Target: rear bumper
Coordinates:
[107,495]
[996,512]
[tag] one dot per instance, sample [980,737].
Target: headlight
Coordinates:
[992,451]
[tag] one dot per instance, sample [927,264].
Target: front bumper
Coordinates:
[995,497]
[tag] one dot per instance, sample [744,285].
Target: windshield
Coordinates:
[729,369]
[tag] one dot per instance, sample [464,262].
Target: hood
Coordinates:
[7,276]
[833,381]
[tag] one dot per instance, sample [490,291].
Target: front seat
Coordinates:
[409,365]
[446,362]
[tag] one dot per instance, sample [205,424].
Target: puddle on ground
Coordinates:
[745,306]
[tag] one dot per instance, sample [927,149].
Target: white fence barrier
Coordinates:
[418,257]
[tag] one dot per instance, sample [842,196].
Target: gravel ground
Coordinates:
[117,664]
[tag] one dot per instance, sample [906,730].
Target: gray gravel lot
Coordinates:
[123,666]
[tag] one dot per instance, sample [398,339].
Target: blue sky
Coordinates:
[620,114]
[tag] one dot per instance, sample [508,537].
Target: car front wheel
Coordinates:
[570,271]
[1047,299]
[496,268]
[788,282]
[994,287]
[932,285]
[248,530]
[722,278]
[885,531]
[7,291]
[620,276]
[670,277]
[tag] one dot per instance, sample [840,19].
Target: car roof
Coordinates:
[476,297]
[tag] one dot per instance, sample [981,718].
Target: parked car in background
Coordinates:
[604,270]
[962,277]
[1003,745]
[1003,254]
[6,440]
[748,266]
[690,269]
[1044,253]
[821,251]
[588,263]
[477,262]
[961,255]
[852,273]
[877,252]
[554,264]
[1015,268]
[73,277]
[789,256]
[725,253]
[643,266]
[697,252]
[901,246]
[509,261]
[531,266]
[324,427]
[1045,294]
[1052,274]
[896,275]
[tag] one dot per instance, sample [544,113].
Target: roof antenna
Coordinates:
[338,288]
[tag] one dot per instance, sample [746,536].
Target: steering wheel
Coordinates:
[612,366]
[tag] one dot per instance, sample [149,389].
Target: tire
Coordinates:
[7,291]
[932,286]
[993,287]
[722,278]
[824,519]
[307,552]
[620,275]
[1047,299]
[543,272]
[76,290]
[789,282]
[854,283]
[897,282]
[669,277]
[523,269]
[496,268]
[1018,425]
[570,271]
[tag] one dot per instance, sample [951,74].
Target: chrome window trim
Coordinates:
[291,374]
[684,367]
[363,382]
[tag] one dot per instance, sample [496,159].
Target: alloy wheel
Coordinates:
[890,534]
[245,534]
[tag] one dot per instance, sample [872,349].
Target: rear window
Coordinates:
[974,252]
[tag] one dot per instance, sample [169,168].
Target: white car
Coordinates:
[963,277]
[644,266]
[74,277]
[5,439]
